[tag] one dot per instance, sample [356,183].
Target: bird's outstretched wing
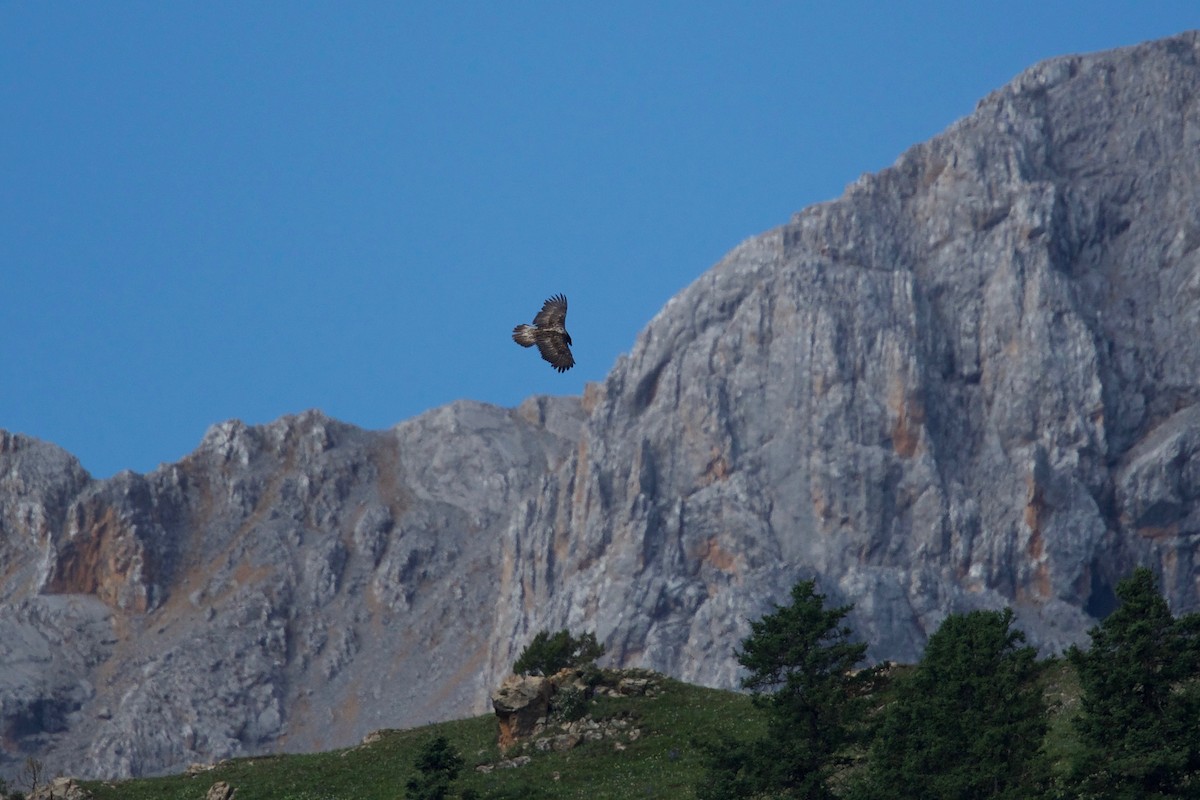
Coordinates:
[553,313]
[553,347]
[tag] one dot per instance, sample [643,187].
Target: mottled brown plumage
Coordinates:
[549,333]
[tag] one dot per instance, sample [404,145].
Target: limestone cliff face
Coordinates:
[291,586]
[972,381]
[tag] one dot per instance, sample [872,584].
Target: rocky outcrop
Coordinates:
[220,791]
[549,713]
[61,789]
[521,703]
[971,381]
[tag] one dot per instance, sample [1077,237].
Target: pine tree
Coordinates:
[548,653]
[968,722]
[437,765]
[1139,720]
[800,661]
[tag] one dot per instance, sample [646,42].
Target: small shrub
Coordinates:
[438,764]
[548,653]
[570,704]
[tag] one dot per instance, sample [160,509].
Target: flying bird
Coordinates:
[549,334]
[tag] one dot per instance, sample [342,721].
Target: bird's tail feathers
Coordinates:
[524,335]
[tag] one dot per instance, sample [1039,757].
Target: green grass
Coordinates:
[1061,687]
[663,762]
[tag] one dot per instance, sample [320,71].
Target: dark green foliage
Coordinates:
[437,765]
[4,793]
[730,769]
[800,661]
[570,704]
[1139,721]
[548,653]
[968,722]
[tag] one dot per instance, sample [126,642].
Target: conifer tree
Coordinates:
[550,652]
[800,661]
[1139,720]
[970,720]
[437,765]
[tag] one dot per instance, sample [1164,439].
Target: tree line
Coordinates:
[970,720]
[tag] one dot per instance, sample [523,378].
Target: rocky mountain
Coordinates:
[971,381]
[291,586]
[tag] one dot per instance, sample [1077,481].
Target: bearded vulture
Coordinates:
[549,334]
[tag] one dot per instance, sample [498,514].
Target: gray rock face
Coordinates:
[972,381]
[291,586]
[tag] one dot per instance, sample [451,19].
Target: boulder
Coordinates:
[220,791]
[521,702]
[61,789]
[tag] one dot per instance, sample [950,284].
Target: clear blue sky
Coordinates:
[212,210]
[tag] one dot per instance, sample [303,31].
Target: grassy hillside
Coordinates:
[660,760]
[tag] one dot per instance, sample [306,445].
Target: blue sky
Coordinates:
[242,210]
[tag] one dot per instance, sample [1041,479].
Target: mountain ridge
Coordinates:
[962,341]
[971,381]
